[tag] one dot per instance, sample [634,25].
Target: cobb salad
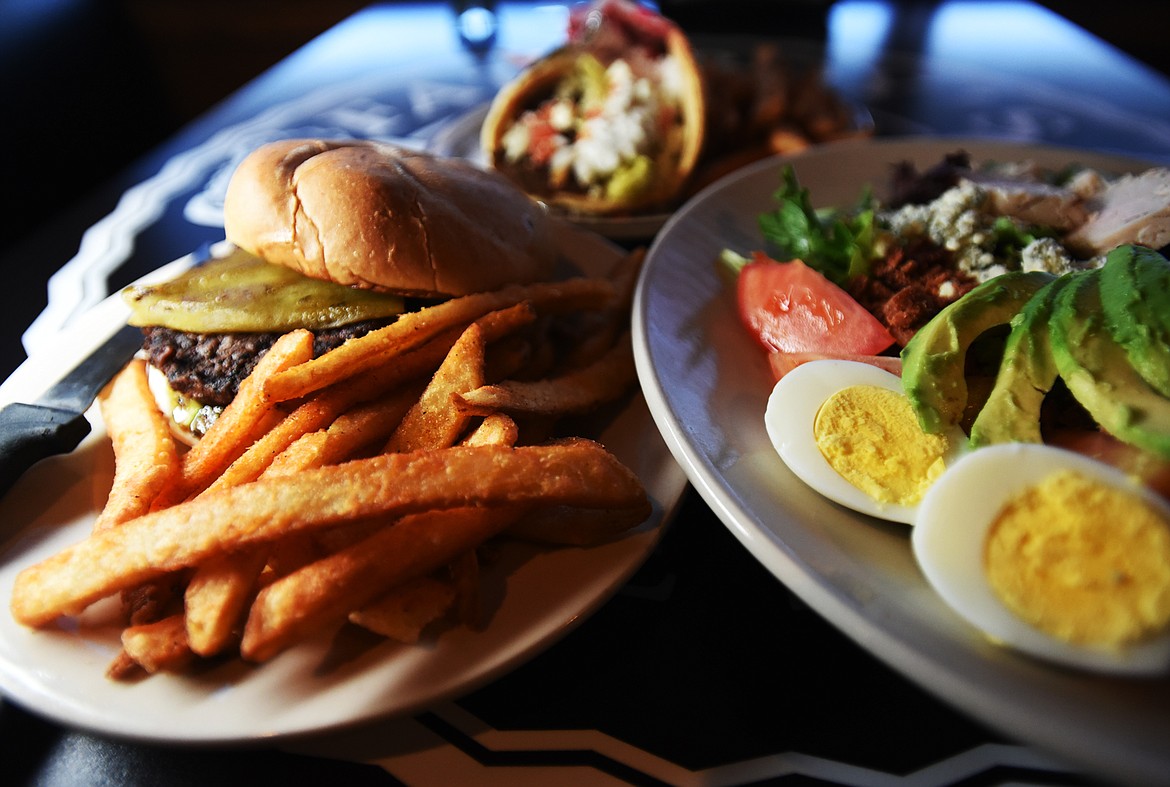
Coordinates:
[982,319]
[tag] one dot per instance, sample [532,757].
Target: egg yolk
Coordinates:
[1082,561]
[871,437]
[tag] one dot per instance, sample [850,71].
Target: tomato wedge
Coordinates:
[790,307]
[542,138]
[783,363]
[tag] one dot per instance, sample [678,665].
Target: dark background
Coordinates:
[88,86]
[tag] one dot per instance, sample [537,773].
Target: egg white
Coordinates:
[792,411]
[948,543]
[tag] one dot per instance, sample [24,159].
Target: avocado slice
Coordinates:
[934,360]
[1134,285]
[1026,374]
[1097,370]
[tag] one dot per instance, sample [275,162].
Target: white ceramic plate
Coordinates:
[533,597]
[707,386]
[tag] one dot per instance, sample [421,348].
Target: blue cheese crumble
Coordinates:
[963,221]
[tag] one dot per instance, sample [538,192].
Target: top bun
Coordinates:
[378,216]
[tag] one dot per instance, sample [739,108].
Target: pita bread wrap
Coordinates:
[610,123]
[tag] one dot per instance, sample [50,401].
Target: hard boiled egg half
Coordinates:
[847,430]
[1052,553]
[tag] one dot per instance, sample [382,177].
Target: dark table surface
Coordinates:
[791,700]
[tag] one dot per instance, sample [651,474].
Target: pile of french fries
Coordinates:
[357,487]
[764,106]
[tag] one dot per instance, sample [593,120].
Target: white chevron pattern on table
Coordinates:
[488,756]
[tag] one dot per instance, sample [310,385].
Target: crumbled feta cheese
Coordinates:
[560,115]
[671,77]
[620,80]
[1046,254]
[593,147]
[961,221]
[560,166]
[909,221]
[515,141]
[990,272]
[956,221]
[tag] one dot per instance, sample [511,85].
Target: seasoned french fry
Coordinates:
[575,473]
[145,457]
[359,486]
[234,430]
[304,452]
[432,422]
[151,601]
[158,646]
[570,526]
[288,554]
[350,579]
[772,82]
[496,429]
[403,613]
[786,140]
[606,380]
[365,426]
[502,322]
[323,593]
[768,106]
[411,330]
[250,464]
[605,327]
[324,408]
[221,588]
[123,667]
[218,596]
[508,357]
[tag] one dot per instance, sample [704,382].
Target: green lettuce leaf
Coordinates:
[838,243]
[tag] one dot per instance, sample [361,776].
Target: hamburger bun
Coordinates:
[378,216]
[380,228]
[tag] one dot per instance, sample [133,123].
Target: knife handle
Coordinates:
[29,433]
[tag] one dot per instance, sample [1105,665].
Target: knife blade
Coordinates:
[55,422]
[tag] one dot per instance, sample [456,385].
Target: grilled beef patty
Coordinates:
[209,367]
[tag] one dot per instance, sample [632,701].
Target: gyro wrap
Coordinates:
[613,122]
